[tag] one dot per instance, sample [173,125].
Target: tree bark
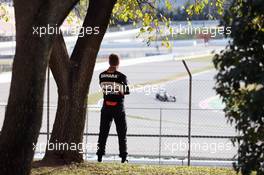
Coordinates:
[60,67]
[72,103]
[24,110]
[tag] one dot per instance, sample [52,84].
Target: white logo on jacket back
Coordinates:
[109,76]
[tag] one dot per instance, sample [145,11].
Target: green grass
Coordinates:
[175,77]
[129,169]
[94,97]
[208,59]
[6,61]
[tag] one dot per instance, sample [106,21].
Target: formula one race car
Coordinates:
[162,95]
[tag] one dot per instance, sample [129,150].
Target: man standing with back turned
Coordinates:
[114,86]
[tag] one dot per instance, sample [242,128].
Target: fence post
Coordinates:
[48,103]
[160,132]
[86,132]
[190,112]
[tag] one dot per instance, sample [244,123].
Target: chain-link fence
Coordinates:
[163,133]
[157,134]
[157,130]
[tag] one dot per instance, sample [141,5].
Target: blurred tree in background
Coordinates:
[240,81]
[208,11]
[3,12]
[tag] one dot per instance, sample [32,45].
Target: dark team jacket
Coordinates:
[114,86]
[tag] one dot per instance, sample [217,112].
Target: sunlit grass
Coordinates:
[129,169]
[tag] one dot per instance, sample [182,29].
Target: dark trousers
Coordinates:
[108,114]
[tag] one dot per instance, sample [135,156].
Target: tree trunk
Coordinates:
[24,110]
[72,103]
[60,67]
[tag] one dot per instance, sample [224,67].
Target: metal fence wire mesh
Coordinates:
[157,130]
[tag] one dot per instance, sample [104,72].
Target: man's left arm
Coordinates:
[126,87]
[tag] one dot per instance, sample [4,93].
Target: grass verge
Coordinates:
[129,169]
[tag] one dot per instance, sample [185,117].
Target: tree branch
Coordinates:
[60,63]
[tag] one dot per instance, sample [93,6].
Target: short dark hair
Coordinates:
[113,60]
